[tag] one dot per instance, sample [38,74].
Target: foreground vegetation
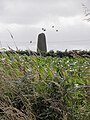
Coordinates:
[44,88]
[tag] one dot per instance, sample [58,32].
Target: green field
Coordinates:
[44,88]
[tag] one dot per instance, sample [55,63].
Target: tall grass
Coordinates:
[44,88]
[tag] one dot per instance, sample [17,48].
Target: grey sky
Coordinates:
[25,19]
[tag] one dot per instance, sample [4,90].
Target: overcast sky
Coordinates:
[25,19]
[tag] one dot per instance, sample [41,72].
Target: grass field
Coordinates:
[44,88]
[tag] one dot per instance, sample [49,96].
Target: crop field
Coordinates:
[44,88]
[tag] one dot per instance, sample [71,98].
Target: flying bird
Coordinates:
[52,26]
[56,30]
[30,41]
[43,29]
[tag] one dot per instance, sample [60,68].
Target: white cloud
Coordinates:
[32,11]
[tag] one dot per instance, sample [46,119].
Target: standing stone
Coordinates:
[41,44]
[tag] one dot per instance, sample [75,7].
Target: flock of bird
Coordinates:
[43,29]
[52,27]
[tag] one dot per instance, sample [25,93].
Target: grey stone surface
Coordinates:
[41,43]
